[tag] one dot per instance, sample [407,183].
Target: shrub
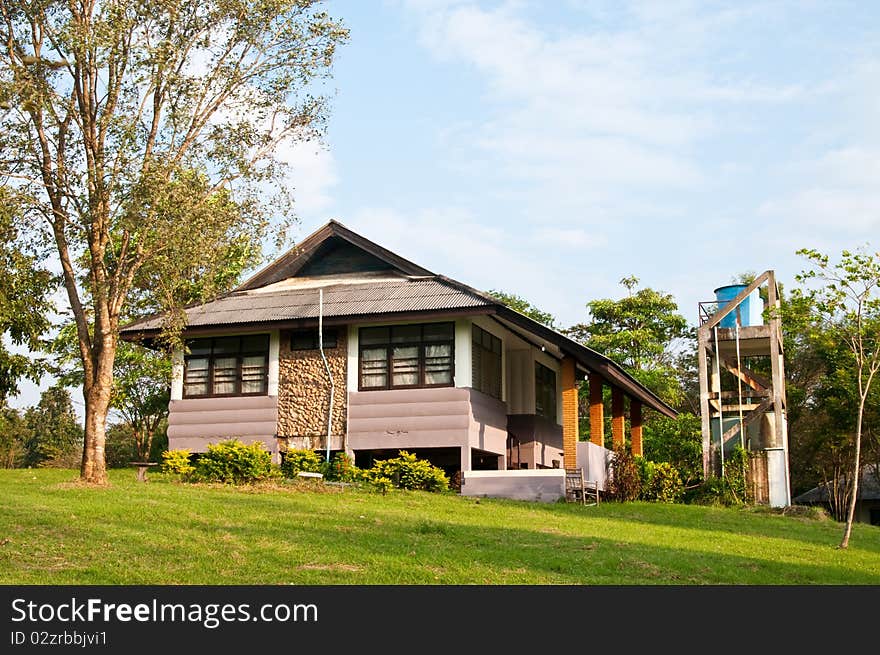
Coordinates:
[625,482]
[233,462]
[714,491]
[660,482]
[406,471]
[342,468]
[302,459]
[178,462]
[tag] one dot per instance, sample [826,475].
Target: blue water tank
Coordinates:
[751,309]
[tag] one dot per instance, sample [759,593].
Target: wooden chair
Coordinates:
[579,490]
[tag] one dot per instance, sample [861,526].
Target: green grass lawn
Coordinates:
[55,531]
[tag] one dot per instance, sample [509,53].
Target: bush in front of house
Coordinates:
[298,460]
[233,462]
[177,462]
[732,488]
[661,482]
[625,482]
[406,471]
[342,469]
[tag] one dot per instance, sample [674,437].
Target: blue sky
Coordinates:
[550,149]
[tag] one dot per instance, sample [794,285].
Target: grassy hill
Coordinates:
[55,531]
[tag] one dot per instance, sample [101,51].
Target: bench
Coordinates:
[142,469]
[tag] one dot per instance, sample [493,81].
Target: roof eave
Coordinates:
[295,323]
[590,359]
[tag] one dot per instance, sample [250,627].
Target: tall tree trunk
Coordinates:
[850,515]
[97,394]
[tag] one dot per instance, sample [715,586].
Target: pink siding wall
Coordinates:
[193,423]
[426,418]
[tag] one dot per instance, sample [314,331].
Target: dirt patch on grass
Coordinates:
[349,568]
[80,484]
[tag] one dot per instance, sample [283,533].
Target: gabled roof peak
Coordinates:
[332,249]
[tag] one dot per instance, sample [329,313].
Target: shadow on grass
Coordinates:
[821,532]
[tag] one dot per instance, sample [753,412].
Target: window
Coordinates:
[226,366]
[486,362]
[308,339]
[406,356]
[545,392]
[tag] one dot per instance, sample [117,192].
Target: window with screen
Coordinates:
[406,356]
[226,366]
[486,362]
[545,391]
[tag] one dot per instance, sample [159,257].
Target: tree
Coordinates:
[679,442]
[141,392]
[14,435]
[523,306]
[643,332]
[25,305]
[54,430]
[846,304]
[141,386]
[141,138]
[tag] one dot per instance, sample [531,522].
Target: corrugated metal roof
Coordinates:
[869,488]
[381,297]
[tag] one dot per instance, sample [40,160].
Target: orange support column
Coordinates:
[569,413]
[597,411]
[635,421]
[618,421]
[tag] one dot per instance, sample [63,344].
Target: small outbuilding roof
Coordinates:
[869,489]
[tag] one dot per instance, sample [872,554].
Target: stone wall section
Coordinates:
[304,394]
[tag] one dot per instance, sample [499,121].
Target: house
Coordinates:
[406,359]
[867,504]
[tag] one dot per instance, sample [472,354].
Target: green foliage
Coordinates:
[14,435]
[342,469]
[233,462]
[178,462]
[661,482]
[296,460]
[730,490]
[119,449]
[25,288]
[844,301]
[162,186]
[406,471]
[625,482]
[523,306]
[679,442]
[736,469]
[641,332]
[54,433]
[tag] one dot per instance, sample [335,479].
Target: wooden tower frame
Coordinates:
[756,397]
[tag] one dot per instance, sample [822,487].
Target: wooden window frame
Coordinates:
[554,410]
[389,349]
[491,353]
[239,356]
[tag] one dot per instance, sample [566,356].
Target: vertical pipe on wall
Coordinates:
[326,366]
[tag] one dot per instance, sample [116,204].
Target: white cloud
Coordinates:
[837,193]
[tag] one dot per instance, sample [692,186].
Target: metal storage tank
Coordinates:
[751,308]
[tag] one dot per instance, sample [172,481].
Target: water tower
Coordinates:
[742,385]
